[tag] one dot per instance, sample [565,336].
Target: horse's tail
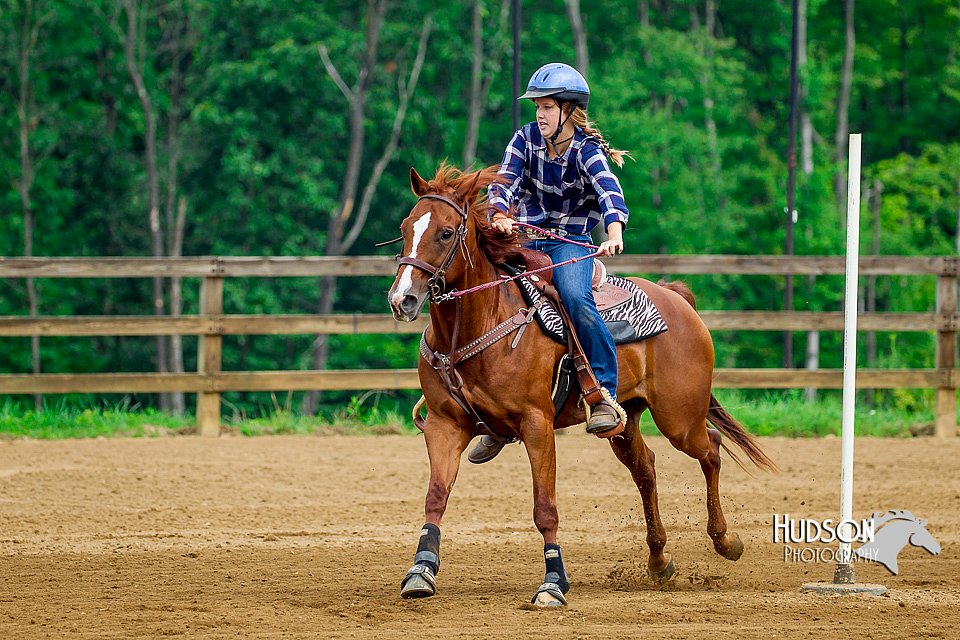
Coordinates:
[680,288]
[729,427]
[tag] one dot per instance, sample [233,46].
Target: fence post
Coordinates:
[209,352]
[946,407]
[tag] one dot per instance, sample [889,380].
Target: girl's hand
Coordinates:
[503,224]
[614,243]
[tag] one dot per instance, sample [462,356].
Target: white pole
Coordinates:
[843,579]
[844,572]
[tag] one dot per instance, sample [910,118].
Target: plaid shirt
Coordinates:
[572,192]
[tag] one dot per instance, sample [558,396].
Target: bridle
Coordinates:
[445,363]
[437,283]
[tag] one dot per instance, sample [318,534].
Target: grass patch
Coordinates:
[70,422]
[357,417]
[779,414]
[764,414]
[66,421]
[285,422]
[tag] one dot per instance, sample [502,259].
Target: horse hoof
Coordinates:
[548,595]
[418,583]
[417,587]
[734,550]
[544,600]
[664,575]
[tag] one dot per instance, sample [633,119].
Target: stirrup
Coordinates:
[619,413]
[603,430]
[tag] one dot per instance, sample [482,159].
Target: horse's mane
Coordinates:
[498,247]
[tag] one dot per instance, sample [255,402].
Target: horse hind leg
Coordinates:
[728,545]
[633,452]
[703,444]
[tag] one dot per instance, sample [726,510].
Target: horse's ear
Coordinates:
[468,188]
[418,184]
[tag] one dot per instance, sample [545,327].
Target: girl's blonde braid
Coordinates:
[579,118]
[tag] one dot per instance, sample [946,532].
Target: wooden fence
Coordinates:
[211,324]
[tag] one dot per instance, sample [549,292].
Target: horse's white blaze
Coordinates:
[406,278]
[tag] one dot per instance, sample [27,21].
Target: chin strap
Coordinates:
[556,134]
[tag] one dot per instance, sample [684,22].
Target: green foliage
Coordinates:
[66,421]
[788,414]
[764,414]
[354,417]
[921,200]
[78,418]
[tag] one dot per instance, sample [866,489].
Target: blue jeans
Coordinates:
[574,281]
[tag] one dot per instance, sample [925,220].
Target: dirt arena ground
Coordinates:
[308,537]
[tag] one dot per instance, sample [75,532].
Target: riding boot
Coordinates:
[486,450]
[603,418]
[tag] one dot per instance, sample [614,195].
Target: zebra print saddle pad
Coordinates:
[633,320]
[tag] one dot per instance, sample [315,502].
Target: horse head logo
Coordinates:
[893,530]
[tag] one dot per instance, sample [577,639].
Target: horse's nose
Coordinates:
[409,304]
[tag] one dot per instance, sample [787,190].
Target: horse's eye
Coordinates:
[446,234]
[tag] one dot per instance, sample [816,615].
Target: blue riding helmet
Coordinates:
[560,81]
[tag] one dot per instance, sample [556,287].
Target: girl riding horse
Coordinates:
[555,171]
[475,381]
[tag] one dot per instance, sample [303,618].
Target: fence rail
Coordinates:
[343,324]
[274,267]
[211,324]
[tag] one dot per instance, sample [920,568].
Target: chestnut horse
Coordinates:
[449,244]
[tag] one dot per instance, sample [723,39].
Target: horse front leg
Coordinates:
[445,443]
[541,449]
